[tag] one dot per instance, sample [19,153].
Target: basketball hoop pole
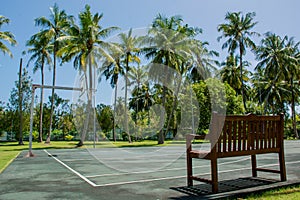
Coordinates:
[34,87]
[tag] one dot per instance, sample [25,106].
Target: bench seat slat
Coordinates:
[239,132]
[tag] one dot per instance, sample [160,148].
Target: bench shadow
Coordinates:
[204,191]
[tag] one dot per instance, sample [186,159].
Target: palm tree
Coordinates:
[129,45]
[40,50]
[238,31]
[137,77]
[273,95]
[202,64]
[278,59]
[54,27]
[112,70]
[270,94]
[170,45]
[161,49]
[85,43]
[6,36]
[292,63]
[230,73]
[270,56]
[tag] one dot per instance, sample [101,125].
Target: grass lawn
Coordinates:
[289,193]
[9,150]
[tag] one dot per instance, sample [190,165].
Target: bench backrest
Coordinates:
[244,134]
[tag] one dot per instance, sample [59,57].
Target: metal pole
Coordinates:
[56,87]
[34,86]
[20,105]
[30,154]
[193,123]
[94,108]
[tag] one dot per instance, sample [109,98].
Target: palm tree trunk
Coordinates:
[86,116]
[40,139]
[242,81]
[174,103]
[294,111]
[89,108]
[137,110]
[161,136]
[52,93]
[115,105]
[126,85]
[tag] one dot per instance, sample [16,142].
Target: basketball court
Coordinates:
[135,173]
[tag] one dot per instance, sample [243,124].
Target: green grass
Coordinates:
[9,150]
[287,193]
[6,157]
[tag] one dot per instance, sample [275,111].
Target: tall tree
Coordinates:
[271,55]
[170,46]
[293,76]
[112,69]
[6,36]
[137,77]
[161,49]
[105,117]
[279,58]
[14,101]
[238,32]
[40,50]
[54,27]
[130,47]
[203,64]
[85,42]
[230,73]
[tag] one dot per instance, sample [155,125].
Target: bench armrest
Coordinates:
[190,138]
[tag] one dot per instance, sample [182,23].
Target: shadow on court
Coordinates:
[225,186]
[135,173]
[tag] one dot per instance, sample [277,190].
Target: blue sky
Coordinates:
[278,16]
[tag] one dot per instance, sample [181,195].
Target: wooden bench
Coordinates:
[238,135]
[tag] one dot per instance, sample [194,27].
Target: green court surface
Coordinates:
[135,173]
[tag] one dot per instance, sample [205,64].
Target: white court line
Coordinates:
[72,170]
[154,179]
[78,159]
[136,156]
[163,170]
[178,177]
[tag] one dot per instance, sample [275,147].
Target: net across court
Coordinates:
[131,173]
[118,166]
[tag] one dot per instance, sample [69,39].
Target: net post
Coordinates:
[34,87]
[30,154]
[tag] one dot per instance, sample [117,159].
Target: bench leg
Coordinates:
[282,166]
[253,160]
[214,175]
[189,170]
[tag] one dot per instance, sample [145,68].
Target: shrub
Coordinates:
[69,137]
[57,134]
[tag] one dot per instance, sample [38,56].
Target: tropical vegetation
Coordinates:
[173,81]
